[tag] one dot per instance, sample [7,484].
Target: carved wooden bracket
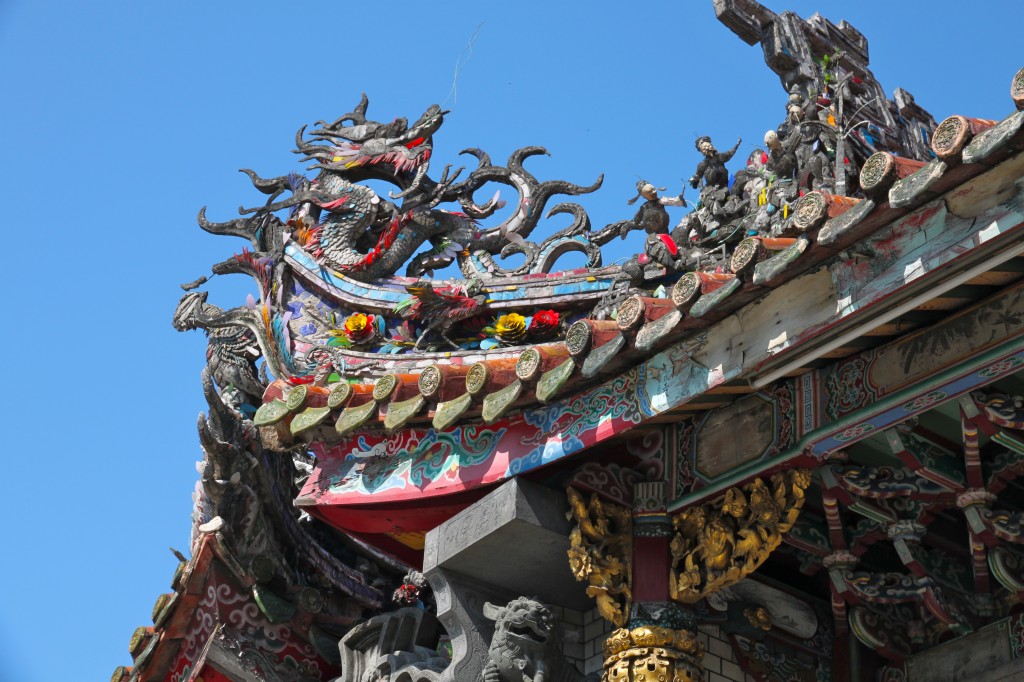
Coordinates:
[720,542]
[601,552]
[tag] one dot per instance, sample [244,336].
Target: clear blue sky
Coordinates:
[122,119]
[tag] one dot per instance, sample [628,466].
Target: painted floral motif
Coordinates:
[276,644]
[782,395]
[854,432]
[846,389]
[684,477]
[417,458]
[451,450]
[359,328]
[420,458]
[544,418]
[1017,636]
[924,401]
[313,322]
[652,453]
[776,661]
[1002,367]
[183,675]
[544,324]
[554,448]
[615,400]
[583,413]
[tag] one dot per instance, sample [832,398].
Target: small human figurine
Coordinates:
[811,138]
[781,157]
[652,218]
[712,169]
[794,114]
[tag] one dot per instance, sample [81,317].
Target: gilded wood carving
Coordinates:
[718,543]
[600,552]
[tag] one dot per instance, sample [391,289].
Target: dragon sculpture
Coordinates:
[342,230]
[526,645]
[327,253]
[232,350]
[352,230]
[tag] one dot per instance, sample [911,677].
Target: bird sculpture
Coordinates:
[441,308]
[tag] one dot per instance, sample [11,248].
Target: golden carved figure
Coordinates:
[717,544]
[600,552]
[758,617]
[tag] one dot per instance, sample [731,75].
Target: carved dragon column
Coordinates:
[648,569]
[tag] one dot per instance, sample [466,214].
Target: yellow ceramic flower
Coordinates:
[359,327]
[355,323]
[511,327]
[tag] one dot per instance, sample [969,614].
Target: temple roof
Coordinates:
[417,396]
[859,221]
[713,336]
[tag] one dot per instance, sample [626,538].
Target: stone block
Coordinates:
[572,617]
[721,648]
[593,631]
[732,671]
[573,651]
[712,663]
[515,538]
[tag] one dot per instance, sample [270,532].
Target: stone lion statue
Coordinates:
[527,645]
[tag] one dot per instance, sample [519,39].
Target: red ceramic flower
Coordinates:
[544,323]
[406,595]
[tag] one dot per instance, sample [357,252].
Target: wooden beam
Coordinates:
[996,278]
[894,329]
[945,303]
[732,388]
[972,291]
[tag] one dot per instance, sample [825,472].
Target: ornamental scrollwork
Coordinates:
[718,543]
[885,482]
[996,523]
[600,552]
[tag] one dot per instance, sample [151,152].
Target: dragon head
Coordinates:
[427,124]
[388,149]
[189,308]
[393,152]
